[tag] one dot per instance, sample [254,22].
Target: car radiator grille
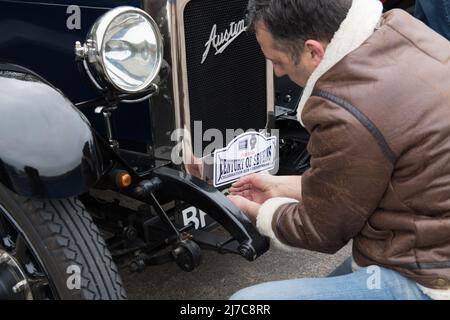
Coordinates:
[227,90]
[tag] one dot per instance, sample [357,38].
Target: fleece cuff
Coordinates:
[265,218]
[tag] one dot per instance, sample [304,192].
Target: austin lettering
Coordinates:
[221,41]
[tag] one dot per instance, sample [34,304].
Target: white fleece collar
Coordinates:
[356,28]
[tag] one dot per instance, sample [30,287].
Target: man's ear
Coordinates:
[315,52]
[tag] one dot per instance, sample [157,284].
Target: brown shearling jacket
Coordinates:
[379,121]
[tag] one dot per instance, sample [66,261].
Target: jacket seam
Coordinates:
[414,249]
[400,199]
[413,44]
[426,265]
[364,120]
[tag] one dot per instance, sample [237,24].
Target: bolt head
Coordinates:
[287,98]
[20,286]
[80,50]
[4,258]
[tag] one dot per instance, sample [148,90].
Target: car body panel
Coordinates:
[38,35]
[35,159]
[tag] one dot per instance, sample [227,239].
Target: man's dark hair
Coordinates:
[292,22]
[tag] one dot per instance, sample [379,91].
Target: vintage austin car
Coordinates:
[102,103]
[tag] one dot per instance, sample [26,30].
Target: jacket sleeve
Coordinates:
[348,176]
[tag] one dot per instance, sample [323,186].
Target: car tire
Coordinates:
[62,238]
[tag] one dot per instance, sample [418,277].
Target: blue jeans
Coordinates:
[371,283]
[436,14]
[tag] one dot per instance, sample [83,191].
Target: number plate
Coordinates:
[248,153]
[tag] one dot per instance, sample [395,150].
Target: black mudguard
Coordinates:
[207,198]
[47,148]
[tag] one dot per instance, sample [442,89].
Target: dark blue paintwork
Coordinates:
[47,148]
[35,34]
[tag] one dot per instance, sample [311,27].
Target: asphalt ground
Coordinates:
[219,276]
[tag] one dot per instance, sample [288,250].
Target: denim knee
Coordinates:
[436,14]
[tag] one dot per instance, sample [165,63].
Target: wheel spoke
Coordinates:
[39,287]
[3,231]
[6,234]
[20,252]
[38,281]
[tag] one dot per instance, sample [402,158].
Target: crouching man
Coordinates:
[377,105]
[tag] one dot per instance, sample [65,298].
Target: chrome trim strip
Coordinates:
[180,15]
[165,107]
[270,87]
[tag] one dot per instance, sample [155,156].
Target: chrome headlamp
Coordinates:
[123,49]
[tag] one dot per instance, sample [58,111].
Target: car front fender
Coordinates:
[47,147]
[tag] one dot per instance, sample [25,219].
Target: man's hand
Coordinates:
[261,187]
[195,168]
[249,208]
[257,188]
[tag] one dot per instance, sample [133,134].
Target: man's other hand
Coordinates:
[249,208]
[261,187]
